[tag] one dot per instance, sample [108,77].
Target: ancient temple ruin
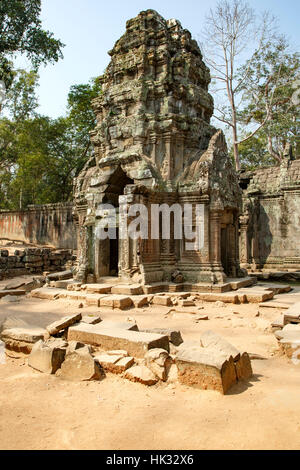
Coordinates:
[154,143]
[270,221]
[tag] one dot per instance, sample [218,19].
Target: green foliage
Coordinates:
[39,156]
[268,94]
[21,32]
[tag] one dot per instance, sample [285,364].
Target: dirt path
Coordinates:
[39,411]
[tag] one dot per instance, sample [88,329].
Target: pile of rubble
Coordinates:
[80,347]
[33,260]
[288,332]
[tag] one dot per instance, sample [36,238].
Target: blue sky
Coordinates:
[89,28]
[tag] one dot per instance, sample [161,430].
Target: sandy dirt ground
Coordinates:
[39,411]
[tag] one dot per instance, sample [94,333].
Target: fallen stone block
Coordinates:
[243,367]
[161,300]
[46,358]
[278,322]
[59,276]
[209,339]
[80,365]
[227,297]
[205,369]
[97,288]
[48,293]
[173,335]
[141,374]
[257,296]
[64,284]
[93,299]
[6,292]
[186,303]
[130,289]
[158,361]
[91,319]
[116,301]
[114,363]
[63,323]
[135,342]
[292,315]
[140,301]
[290,345]
[22,339]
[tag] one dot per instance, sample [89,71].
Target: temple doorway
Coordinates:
[108,251]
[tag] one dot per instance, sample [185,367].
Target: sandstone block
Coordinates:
[46,358]
[141,374]
[5,292]
[63,323]
[133,289]
[98,288]
[91,319]
[135,342]
[59,276]
[209,339]
[173,335]
[22,339]
[161,300]
[158,361]
[80,365]
[116,301]
[243,367]
[205,369]
[140,301]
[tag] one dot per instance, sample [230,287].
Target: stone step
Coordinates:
[97,288]
[5,292]
[135,343]
[127,289]
[245,282]
[254,295]
[276,288]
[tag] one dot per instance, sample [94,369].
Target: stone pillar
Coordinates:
[215,245]
[244,245]
[167,136]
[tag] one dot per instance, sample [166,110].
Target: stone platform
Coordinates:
[124,296]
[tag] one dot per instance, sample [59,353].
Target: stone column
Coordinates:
[167,136]
[244,245]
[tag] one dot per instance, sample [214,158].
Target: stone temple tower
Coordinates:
[153,143]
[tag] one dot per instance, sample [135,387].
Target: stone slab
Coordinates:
[91,319]
[63,323]
[98,288]
[134,342]
[5,292]
[116,301]
[127,289]
[46,358]
[61,275]
[209,339]
[205,369]
[22,339]
[141,374]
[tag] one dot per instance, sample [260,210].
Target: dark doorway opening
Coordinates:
[114,255]
[224,251]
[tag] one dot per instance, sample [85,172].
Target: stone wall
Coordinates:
[270,223]
[33,261]
[48,224]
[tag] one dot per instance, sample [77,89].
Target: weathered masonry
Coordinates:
[154,144]
[270,223]
[46,224]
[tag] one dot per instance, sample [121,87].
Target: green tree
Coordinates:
[81,114]
[271,99]
[21,32]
